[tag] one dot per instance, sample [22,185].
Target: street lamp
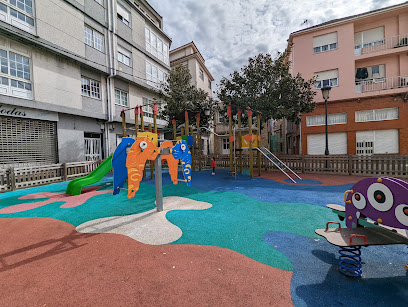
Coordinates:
[325,94]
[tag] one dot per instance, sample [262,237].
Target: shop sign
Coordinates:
[21,112]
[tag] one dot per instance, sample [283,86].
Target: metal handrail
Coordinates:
[384,44]
[275,164]
[379,84]
[264,148]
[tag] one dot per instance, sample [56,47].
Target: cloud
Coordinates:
[227,33]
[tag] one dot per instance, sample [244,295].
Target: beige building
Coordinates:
[189,56]
[68,68]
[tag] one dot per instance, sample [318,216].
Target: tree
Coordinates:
[180,96]
[266,85]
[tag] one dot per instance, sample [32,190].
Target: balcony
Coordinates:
[384,44]
[381,84]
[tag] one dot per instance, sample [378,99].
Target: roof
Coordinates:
[350,18]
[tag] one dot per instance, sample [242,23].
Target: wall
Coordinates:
[56,81]
[65,30]
[350,107]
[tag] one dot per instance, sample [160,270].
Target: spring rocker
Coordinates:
[376,213]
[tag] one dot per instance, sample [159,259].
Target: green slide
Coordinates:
[76,185]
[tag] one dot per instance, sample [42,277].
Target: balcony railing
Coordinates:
[380,84]
[386,43]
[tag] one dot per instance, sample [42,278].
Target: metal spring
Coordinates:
[350,261]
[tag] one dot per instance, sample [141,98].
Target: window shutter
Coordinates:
[316,143]
[326,39]
[326,75]
[373,35]
[121,11]
[386,141]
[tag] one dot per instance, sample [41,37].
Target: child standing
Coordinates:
[213,165]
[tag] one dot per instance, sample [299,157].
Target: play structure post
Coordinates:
[136,121]
[182,131]
[158,181]
[186,122]
[199,141]
[251,158]
[155,112]
[142,130]
[122,114]
[231,138]
[174,129]
[258,136]
[151,162]
[141,120]
[239,140]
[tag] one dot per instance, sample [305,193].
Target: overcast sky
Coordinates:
[227,32]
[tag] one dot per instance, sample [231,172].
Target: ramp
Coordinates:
[278,163]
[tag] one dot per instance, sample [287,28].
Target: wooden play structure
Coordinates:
[376,213]
[251,142]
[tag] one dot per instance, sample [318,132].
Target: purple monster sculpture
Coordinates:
[384,200]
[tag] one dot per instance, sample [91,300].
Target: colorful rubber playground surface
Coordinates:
[220,242]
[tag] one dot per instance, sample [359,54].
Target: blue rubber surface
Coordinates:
[316,280]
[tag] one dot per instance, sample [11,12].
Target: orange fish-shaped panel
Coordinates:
[141,151]
[171,161]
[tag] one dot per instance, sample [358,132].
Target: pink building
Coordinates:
[364,58]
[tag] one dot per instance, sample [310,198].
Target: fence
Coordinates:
[387,165]
[14,178]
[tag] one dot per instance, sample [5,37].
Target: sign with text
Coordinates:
[16,111]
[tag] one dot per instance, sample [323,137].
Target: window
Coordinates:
[375,73]
[15,78]
[124,56]
[123,14]
[155,75]
[91,88]
[369,38]
[209,83]
[201,74]
[94,39]
[221,119]
[147,107]
[121,98]
[19,13]
[156,46]
[376,115]
[225,144]
[326,78]
[325,42]
[332,119]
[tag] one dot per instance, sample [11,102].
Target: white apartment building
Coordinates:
[189,56]
[68,68]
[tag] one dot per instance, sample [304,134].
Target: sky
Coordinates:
[228,32]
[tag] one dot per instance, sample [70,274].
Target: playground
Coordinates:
[172,236]
[221,241]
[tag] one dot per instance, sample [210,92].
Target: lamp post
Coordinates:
[325,94]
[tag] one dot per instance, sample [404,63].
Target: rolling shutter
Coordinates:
[27,141]
[327,75]
[316,143]
[386,141]
[326,39]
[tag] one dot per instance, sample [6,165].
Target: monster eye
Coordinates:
[380,197]
[401,213]
[183,147]
[359,201]
[143,145]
